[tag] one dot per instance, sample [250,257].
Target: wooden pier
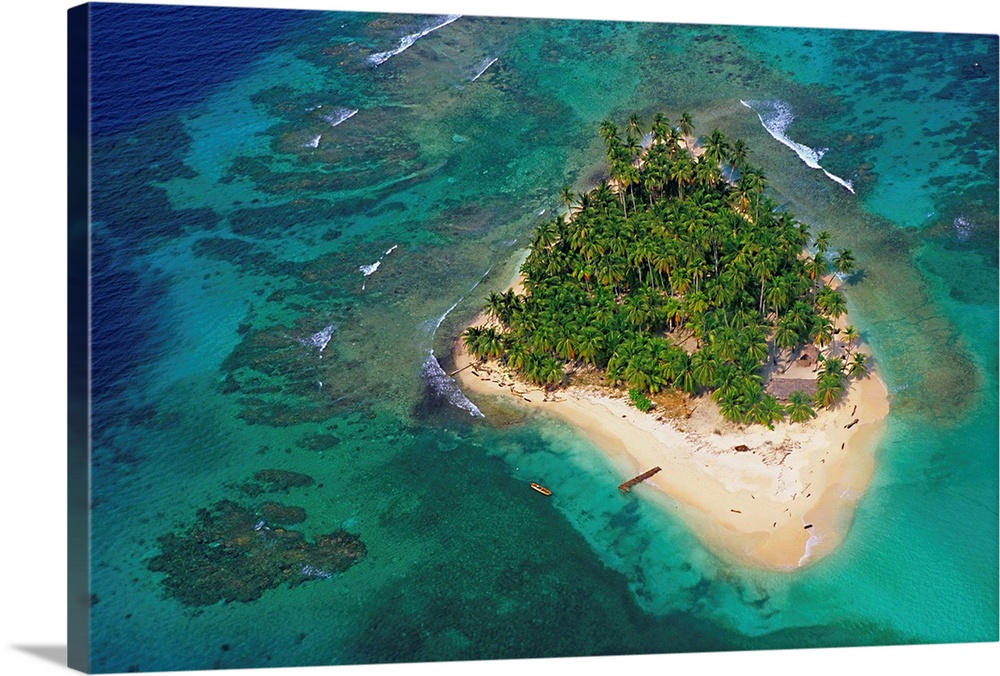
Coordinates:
[625,487]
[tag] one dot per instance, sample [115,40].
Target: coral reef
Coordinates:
[234,552]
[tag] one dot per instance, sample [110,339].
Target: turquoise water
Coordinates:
[232,230]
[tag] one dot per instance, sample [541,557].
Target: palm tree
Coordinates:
[799,407]
[634,126]
[608,130]
[858,369]
[833,366]
[816,266]
[822,332]
[682,173]
[472,337]
[829,387]
[716,147]
[822,241]
[673,140]
[686,127]
[567,196]
[495,305]
[843,262]
[687,381]
[785,335]
[769,411]
[660,128]
[850,334]
[703,368]
[738,154]
[752,182]
[590,344]
[731,409]
[706,172]
[831,303]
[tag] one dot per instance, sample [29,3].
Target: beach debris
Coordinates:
[808,526]
[627,486]
[853,423]
[736,511]
[742,448]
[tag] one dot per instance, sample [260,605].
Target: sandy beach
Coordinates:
[784,502]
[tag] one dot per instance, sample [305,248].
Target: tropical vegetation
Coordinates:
[678,271]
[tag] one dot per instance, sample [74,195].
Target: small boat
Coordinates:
[541,489]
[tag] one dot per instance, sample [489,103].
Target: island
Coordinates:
[680,319]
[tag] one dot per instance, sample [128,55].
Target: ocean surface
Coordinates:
[295,213]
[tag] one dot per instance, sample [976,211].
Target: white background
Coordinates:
[33,308]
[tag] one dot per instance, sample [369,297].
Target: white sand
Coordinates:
[752,506]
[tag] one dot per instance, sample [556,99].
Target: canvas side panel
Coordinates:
[78,338]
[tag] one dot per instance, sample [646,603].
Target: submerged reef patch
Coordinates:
[234,552]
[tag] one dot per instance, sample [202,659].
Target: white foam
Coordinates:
[367,270]
[407,41]
[484,68]
[963,229]
[320,339]
[339,115]
[776,116]
[431,326]
[313,571]
[314,143]
[814,539]
[445,386]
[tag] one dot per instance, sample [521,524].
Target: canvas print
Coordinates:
[420,338]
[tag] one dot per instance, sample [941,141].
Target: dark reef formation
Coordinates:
[235,552]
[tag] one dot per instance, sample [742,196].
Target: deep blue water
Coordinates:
[159,59]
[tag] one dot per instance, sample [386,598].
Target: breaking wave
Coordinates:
[444,386]
[339,115]
[483,67]
[320,339]
[368,270]
[963,229]
[776,116]
[407,41]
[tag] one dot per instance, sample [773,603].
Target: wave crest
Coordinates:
[407,41]
[444,386]
[776,116]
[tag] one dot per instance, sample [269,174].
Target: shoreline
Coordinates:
[783,504]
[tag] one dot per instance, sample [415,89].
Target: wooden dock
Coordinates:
[625,487]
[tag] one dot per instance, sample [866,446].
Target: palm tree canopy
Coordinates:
[666,254]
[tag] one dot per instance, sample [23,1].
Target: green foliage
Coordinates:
[666,251]
[799,407]
[640,400]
